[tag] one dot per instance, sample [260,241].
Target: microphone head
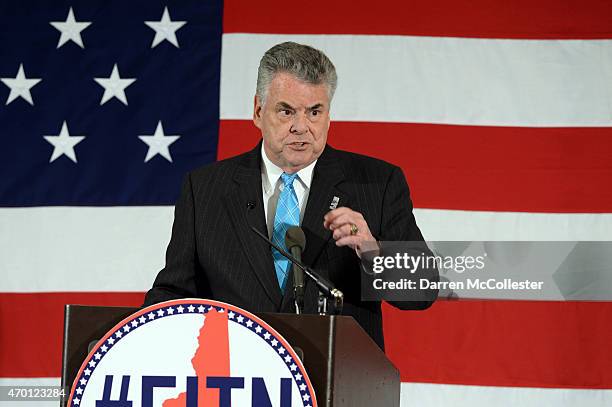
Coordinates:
[295,237]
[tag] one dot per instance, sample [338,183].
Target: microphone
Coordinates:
[325,286]
[295,240]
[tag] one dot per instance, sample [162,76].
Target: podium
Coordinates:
[344,364]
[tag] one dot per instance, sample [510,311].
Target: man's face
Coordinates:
[294,121]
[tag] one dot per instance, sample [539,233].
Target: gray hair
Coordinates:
[302,61]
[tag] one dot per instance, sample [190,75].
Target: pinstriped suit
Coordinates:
[214,254]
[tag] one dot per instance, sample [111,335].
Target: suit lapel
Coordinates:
[327,175]
[247,189]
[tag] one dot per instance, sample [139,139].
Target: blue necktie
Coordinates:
[287,215]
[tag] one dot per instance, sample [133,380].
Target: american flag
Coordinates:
[498,112]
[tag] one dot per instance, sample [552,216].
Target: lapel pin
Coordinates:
[334,203]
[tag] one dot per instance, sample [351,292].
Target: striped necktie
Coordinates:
[287,215]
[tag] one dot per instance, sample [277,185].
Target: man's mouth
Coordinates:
[298,144]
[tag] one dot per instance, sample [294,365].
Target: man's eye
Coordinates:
[315,112]
[285,112]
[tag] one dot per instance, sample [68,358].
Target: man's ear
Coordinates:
[257,112]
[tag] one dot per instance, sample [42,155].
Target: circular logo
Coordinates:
[191,353]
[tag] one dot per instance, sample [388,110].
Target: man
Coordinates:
[292,177]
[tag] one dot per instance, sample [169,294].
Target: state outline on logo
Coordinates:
[194,306]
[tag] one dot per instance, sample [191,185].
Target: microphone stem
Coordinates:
[324,286]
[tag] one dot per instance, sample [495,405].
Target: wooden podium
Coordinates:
[345,366]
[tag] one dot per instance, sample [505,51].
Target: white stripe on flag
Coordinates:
[429,395]
[498,82]
[55,249]
[83,248]
[436,224]
[435,395]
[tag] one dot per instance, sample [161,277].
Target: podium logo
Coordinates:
[192,353]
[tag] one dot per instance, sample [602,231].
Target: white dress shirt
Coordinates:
[272,186]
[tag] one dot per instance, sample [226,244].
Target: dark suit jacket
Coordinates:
[214,254]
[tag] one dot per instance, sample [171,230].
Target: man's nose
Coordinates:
[299,125]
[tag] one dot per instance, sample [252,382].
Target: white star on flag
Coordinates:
[20,86]
[70,29]
[165,29]
[159,144]
[114,86]
[63,144]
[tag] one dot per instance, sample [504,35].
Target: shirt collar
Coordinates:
[270,173]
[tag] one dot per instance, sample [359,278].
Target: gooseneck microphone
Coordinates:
[295,241]
[325,287]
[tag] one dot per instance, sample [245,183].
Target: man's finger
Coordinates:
[333,214]
[340,232]
[343,219]
[347,219]
[351,241]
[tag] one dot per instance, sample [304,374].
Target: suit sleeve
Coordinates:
[398,224]
[180,278]
[398,221]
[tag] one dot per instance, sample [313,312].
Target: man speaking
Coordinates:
[293,177]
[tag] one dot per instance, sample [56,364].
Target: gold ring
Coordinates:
[354,229]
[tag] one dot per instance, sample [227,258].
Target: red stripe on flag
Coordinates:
[477,167]
[31,329]
[503,343]
[539,19]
